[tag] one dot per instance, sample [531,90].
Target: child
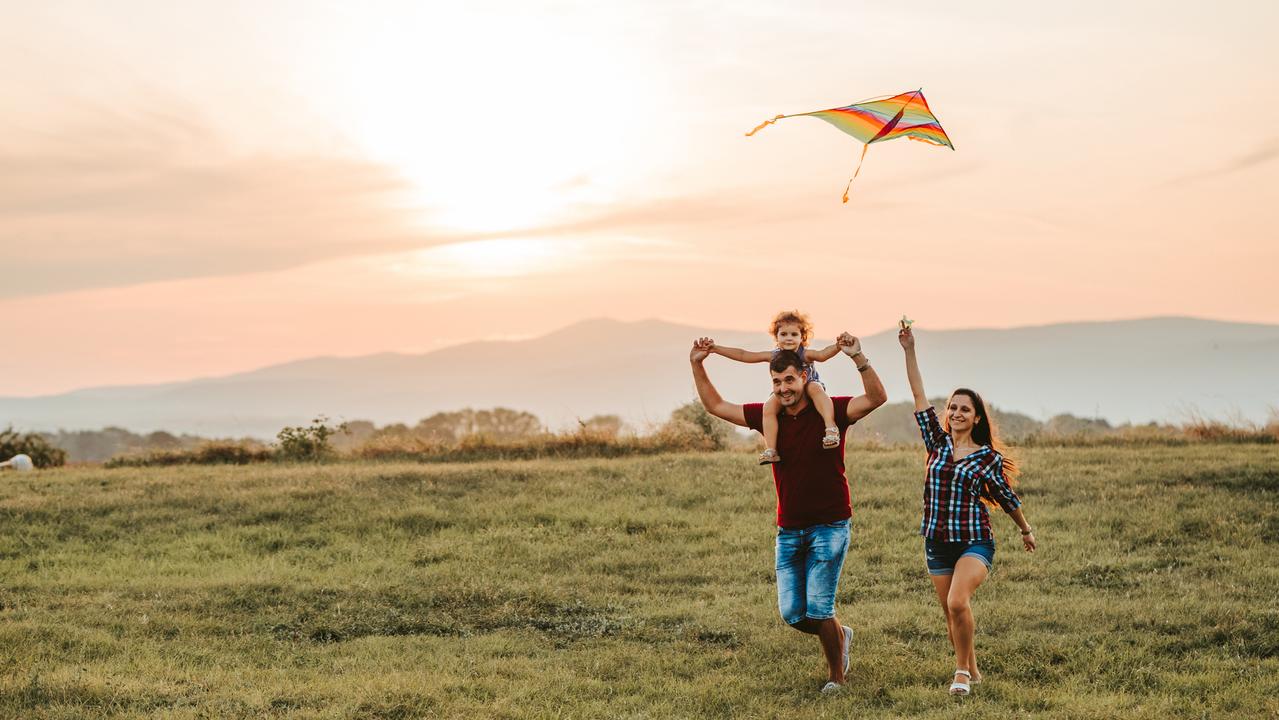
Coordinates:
[790,330]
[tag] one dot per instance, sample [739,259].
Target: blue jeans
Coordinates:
[809,561]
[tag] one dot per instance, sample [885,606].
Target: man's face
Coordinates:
[789,336]
[788,386]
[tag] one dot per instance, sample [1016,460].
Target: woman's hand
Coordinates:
[906,337]
[1028,542]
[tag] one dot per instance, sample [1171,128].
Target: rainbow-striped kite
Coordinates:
[906,115]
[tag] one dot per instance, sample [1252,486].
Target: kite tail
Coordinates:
[764,124]
[855,172]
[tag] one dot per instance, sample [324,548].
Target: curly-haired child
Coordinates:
[791,330]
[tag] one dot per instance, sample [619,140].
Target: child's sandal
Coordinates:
[831,440]
[768,457]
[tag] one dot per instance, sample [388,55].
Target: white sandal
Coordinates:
[830,440]
[961,688]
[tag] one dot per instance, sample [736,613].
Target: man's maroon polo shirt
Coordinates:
[811,486]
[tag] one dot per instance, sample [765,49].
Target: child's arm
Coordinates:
[706,392]
[822,355]
[740,355]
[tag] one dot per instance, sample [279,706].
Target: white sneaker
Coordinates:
[831,688]
[848,640]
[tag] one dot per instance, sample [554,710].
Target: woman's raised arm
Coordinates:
[907,338]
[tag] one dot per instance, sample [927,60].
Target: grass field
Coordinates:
[638,588]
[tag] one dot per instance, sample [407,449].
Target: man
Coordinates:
[813,507]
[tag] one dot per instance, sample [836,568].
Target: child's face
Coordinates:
[789,336]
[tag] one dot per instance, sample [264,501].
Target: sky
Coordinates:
[201,188]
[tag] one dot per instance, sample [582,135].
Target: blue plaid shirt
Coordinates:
[953,489]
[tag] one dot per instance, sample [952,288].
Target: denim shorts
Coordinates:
[942,556]
[809,561]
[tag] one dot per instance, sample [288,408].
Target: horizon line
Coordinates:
[585,321]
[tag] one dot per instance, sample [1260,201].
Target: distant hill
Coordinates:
[1126,371]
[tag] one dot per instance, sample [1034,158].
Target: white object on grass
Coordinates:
[21,463]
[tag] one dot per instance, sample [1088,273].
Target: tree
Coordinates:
[357,433]
[161,440]
[308,443]
[603,425]
[496,424]
[691,421]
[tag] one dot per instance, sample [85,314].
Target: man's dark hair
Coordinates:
[786,359]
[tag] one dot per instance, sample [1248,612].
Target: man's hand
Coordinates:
[849,344]
[701,348]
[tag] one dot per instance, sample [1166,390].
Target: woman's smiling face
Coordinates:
[960,413]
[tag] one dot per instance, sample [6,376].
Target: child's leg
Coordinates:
[826,408]
[771,408]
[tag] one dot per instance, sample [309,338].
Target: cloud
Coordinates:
[122,198]
[127,198]
[1262,155]
[684,211]
[1267,152]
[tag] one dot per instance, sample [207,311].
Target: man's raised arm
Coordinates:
[861,406]
[706,391]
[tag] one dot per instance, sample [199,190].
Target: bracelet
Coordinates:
[1028,532]
[862,368]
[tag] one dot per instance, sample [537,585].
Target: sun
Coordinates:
[496,122]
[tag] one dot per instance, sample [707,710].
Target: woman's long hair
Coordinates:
[985,432]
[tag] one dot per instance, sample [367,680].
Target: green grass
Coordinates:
[637,587]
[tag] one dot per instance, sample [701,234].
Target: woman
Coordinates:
[966,471]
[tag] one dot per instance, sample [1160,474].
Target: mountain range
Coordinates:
[1157,369]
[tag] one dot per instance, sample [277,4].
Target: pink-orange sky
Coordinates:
[201,188]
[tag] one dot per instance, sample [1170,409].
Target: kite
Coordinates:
[905,115]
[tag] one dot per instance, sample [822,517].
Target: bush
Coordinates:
[226,453]
[1200,427]
[41,452]
[1213,431]
[400,446]
[211,453]
[308,443]
[582,443]
[692,428]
